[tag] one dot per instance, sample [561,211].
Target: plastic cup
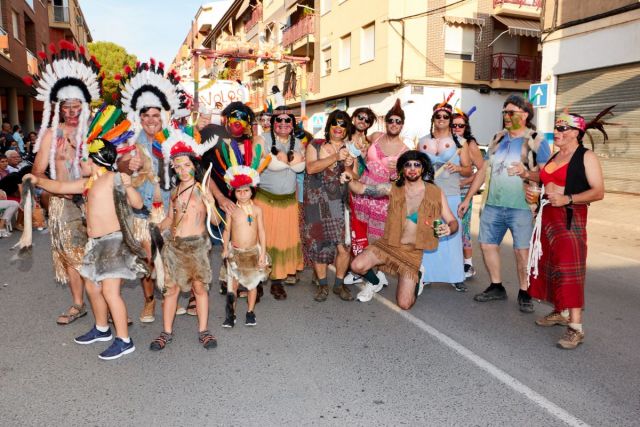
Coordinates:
[534,192]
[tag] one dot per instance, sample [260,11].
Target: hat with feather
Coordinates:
[241,171]
[65,74]
[176,143]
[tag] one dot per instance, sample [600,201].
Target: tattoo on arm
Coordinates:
[379,190]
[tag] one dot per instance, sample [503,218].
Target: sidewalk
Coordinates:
[617,210]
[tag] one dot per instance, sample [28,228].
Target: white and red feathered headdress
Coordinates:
[180,143]
[66,74]
[244,170]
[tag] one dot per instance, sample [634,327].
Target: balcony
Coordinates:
[60,14]
[295,88]
[518,8]
[505,66]
[32,63]
[4,41]
[300,29]
[256,16]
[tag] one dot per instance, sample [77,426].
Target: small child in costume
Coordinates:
[244,243]
[185,253]
[111,254]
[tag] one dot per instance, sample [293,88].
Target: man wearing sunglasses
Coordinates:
[513,153]
[277,197]
[415,202]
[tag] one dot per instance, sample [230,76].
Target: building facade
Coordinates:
[66,22]
[591,60]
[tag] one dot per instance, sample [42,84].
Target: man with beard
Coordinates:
[518,147]
[277,198]
[415,202]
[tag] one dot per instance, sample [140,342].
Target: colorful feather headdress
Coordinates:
[444,105]
[179,143]
[103,126]
[462,113]
[64,75]
[146,86]
[598,122]
[238,173]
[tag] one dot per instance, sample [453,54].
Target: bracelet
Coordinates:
[570,200]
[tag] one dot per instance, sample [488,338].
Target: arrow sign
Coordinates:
[539,94]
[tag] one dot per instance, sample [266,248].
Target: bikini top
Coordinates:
[413,217]
[558,176]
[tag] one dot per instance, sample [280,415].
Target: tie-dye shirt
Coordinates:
[508,191]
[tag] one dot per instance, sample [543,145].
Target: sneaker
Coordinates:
[229,322]
[147,315]
[525,303]
[382,279]
[117,349]
[492,293]
[459,287]
[552,319]
[180,310]
[94,335]
[351,279]
[469,271]
[366,294]
[571,339]
[250,319]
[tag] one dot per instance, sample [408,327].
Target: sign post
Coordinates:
[539,95]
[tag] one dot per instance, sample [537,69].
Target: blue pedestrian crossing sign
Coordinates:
[538,94]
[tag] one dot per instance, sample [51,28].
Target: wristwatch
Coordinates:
[570,200]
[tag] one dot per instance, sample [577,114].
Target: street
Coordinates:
[448,361]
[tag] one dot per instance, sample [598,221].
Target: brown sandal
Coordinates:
[207,340]
[191,307]
[72,314]
[161,342]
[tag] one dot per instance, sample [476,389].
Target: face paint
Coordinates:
[237,126]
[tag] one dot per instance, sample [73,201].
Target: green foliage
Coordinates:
[113,59]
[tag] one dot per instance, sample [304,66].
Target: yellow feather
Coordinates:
[232,157]
[106,115]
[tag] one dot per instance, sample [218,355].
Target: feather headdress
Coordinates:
[239,174]
[178,143]
[577,122]
[66,74]
[444,105]
[146,86]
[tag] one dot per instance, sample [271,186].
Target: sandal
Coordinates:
[191,307]
[72,314]
[207,340]
[161,342]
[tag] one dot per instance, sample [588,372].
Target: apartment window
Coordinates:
[326,62]
[345,52]
[325,6]
[15,24]
[30,3]
[368,43]
[459,42]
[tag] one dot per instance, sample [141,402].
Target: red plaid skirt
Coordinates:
[563,264]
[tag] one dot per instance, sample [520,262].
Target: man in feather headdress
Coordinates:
[69,82]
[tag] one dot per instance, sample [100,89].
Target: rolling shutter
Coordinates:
[589,92]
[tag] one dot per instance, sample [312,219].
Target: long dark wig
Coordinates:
[447,108]
[520,102]
[467,135]
[367,112]
[338,115]
[292,139]
[427,166]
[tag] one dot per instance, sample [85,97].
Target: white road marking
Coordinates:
[483,364]
[620,257]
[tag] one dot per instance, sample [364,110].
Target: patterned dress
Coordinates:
[324,208]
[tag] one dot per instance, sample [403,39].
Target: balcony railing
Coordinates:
[60,13]
[32,63]
[256,16]
[534,3]
[507,66]
[298,30]
[295,87]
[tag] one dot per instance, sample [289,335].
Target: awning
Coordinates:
[520,27]
[243,8]
[464,20]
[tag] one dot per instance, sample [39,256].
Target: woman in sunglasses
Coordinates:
[450,158]
[382,156]
[572,179]
[277,197]
[324,227]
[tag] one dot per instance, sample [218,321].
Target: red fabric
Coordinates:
[563,264]
[359,239]
[558,176]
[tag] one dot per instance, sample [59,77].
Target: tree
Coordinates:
[113,59]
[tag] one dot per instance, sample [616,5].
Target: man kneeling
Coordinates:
[415,203]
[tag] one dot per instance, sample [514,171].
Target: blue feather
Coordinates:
[236,151]
[122,138]
[471,111]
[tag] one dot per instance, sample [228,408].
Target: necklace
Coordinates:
[183,206]
[87,186]
[248,210]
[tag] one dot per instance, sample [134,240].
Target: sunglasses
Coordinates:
[415,165]
[364,118]
[562,128]
[510,113]
[339,123]
[442,116]
[283,119]
[458,125]
[394,121]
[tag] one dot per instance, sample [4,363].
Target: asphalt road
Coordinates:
[448,361]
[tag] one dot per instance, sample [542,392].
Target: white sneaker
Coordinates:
[382,278]
[351,279]
[366,294]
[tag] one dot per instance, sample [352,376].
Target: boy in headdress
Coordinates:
[111,254]
[244,250]
[186,251]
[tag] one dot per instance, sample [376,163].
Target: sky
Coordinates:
[146,28]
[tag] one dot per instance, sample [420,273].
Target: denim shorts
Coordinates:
[495,221]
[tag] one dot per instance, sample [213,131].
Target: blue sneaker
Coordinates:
[94,335]
[117,348]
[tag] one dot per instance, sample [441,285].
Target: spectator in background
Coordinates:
[17,136]
[4,166]
[6,137]
[7,209]
[16,164]
[29,144]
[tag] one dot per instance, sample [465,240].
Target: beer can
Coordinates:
[437,223]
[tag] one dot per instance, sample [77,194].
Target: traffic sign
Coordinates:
[538,94]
